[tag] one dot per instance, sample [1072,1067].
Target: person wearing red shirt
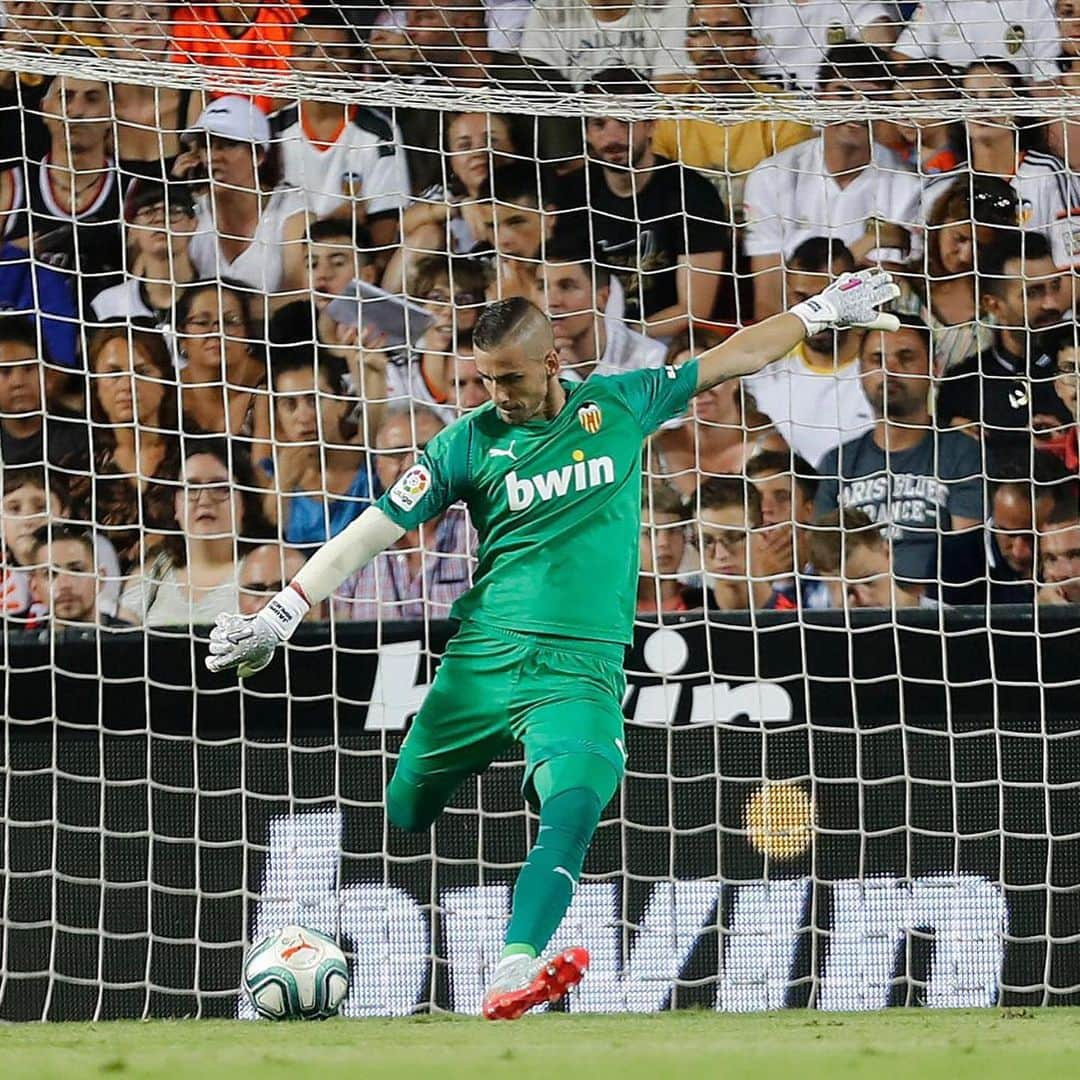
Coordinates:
[247,36]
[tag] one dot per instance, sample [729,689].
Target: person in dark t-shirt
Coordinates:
[919,484]
[660,227]
[27,437]
[1007,391]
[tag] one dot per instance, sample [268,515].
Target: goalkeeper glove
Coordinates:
[851,300]
[247,642]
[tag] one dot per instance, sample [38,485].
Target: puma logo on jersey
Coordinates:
[498,451]
[523,491]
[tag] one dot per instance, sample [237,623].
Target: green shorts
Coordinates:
[553,695]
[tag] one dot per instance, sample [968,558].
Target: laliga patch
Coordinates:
[590,417]
[411,488]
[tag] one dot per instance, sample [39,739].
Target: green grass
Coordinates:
[929,1045]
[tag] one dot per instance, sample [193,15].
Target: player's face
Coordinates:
[895,371]
[68,584]
[724,538]
[516,382]
[663,541]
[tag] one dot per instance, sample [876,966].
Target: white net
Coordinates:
[244,250]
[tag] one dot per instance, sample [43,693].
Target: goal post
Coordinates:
[852,775]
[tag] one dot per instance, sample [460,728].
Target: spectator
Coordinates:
[133,410]
[250,227]
[796,39]
[661,550]
[1066,353]
[348,160]
[69,210]
[452,290]
[814,395]
[66,582]
[30,27]
[451,40]
[959,32]
[425,571]
[1059,560]
[339,254]
[927,144]
[841,185]
[251,37]
[446,216]
[722,46]
[321,476]
[469,389]
[968,216]
[848,550]
[391,51]
[160,220]
[512,225]
[1068,31]
[786,486]
[27,287]
[728,509]
[576,292]
[28,500]
[997,146]
[193,578]
[919,485]
[1062,136]
[149,119]
[264,571]
[723,430]
[1006,393]
[27,435]
[660,226]
[224,364]
[582,37]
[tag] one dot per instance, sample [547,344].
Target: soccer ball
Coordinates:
[296,974]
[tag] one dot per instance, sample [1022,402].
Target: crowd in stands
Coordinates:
[229,323]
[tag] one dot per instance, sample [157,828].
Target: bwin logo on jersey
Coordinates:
[522,491]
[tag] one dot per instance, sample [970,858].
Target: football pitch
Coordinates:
[792,1046]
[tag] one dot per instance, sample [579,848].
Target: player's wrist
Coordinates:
[816,313]
[285,611]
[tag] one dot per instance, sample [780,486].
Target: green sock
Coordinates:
[546,883]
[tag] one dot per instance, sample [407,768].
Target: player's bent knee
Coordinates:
[570,771]
[406,808]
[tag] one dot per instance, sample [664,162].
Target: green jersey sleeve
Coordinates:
[434,483]
[654,395]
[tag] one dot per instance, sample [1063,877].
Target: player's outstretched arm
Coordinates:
[851,300]
[247,642]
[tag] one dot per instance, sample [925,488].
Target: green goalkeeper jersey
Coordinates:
[556,503]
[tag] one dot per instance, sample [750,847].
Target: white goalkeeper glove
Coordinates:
[247,642]
[851,300]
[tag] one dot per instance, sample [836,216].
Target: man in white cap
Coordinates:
[250,226]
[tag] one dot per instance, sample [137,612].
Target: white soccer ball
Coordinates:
[296,974]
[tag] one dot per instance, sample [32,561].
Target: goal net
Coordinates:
[244,249]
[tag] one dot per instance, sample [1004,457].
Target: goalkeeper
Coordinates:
[551,474]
